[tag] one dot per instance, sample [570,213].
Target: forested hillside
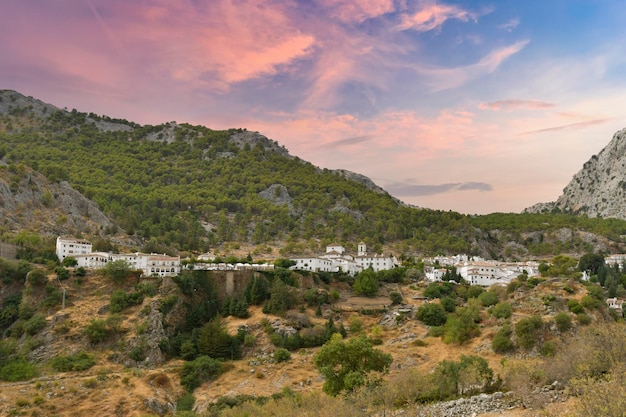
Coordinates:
[191,188]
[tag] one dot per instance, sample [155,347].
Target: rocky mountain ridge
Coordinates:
[599,188]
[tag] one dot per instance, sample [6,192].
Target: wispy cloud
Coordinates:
[407,189]
[441,78]
[356,11]
[510,25]
[432,16]
[515,104]
[571,126]
[350,141]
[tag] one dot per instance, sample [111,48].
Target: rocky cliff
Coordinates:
[28,201]
[599,188]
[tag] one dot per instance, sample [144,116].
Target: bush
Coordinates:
[590,302]
[448,304]
[548,348]
[575,307]
[432,314]
[502,342]
[282,355]
[583,318]
[81,361]
[563,322]
[396,297]
[526,331]
[200,370]
[185,403]
[35,324]
[37,277]
[97,331]
[488,298]
[356,324]
[118,301]
[18,370]
[501,310]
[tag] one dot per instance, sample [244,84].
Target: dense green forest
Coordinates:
[192,188]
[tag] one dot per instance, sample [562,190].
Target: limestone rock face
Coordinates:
[599,188]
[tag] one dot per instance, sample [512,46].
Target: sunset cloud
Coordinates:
[508,105]
[432,16]
[572,126]
[393,89]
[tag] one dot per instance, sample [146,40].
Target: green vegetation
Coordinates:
[80,361]
[432,314]
[201,369]
[347,365]
[160,182]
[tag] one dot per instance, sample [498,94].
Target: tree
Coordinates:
[215,342]
[527,329]
[502,342]
[366,283]
[591,262]
[117,271]
[347,365]
[432,314]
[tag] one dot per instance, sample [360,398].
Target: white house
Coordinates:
[152,264]
[335,259]
[72,247]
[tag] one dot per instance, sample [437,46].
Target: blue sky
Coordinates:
[469,106]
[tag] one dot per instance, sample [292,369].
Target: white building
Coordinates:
[152,264]
[335,259]
[72,247]
[616,259]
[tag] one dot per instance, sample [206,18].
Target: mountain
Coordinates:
[179,187]
[599,188]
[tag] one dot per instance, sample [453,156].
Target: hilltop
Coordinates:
[177,188]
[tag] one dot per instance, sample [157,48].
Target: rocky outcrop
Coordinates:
[29,201]
[599,188]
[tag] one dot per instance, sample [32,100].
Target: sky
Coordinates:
[472,106]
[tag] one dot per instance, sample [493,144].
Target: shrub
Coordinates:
[501,310]
[35,324]
[356,324]
[185,403]
[18,370]
[97,331]
[590,302]
[488,298]
[501,342]
[526,331]
[37,277]
[448,304]
[282,355]
[396,297]
[118,301]
[548,348]
[432,314]
[563,322]
[200,370]
[575,307]
[81,361]
[583,318]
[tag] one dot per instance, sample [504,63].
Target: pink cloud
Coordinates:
[508,105]
[357,11]
[432,16]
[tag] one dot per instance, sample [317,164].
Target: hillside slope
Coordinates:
[182,188]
